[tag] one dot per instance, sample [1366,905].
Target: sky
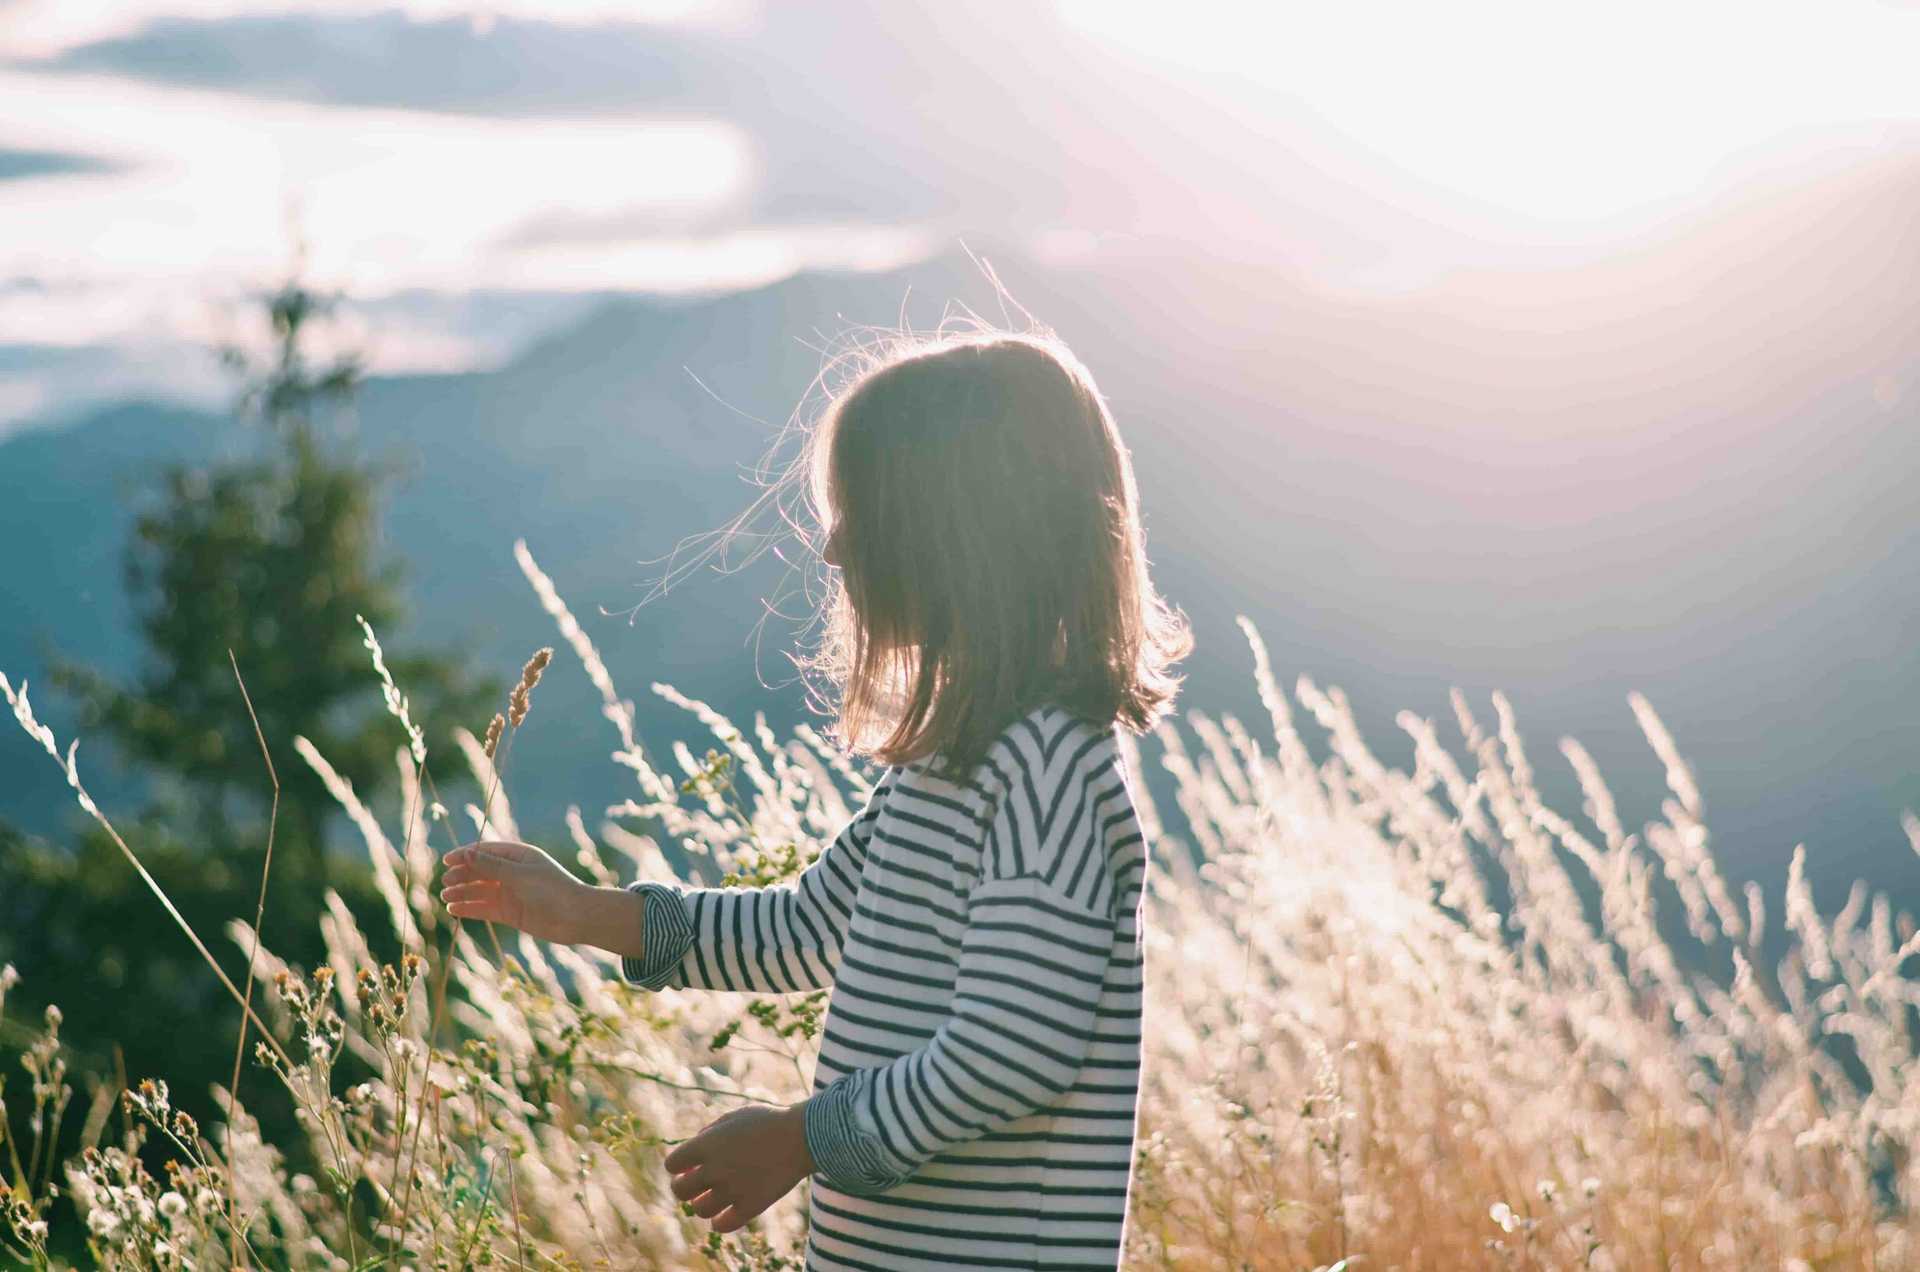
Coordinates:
[470,171]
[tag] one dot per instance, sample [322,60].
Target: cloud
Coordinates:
[104,343]
[46,28]
[511,67]
[22,165]
[955,117]
[861,111]
[175,206]
[583,151]
[593,158]
[726,261]
[391,198]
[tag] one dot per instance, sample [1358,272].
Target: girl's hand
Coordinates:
[743,1162]
[505,881]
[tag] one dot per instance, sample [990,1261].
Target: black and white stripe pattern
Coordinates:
[979,1074]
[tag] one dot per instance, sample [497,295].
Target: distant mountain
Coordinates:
[1688,471]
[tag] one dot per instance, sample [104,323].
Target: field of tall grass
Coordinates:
[1396,1021]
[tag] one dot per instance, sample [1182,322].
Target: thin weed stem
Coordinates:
[44,736]
[253,955]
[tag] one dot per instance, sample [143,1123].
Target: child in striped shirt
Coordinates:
[990,625]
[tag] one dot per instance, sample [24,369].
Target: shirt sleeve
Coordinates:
[1033,962]
[782,939]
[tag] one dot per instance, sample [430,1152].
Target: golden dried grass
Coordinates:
[1355,1052]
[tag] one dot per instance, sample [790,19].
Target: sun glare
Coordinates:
[1550,113]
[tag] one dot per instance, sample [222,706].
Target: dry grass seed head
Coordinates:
[523,692]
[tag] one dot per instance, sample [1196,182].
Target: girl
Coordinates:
[990,625]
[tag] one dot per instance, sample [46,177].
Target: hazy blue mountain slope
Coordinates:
[1724,534]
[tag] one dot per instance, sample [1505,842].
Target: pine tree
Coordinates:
[272,558]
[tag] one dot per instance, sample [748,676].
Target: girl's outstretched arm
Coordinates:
[782,939]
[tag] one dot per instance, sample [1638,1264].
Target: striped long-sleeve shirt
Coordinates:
[974,1100]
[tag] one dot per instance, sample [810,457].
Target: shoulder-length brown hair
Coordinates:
[983,514]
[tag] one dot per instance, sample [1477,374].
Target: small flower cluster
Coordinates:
[198,1186]
[23,1220]
[713,779]
[784,1017]
[150,1102]
[384,995]
[22,1212]
[43,1062]
[320,1026]
[131,1221]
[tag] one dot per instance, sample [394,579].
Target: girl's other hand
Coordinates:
[505,881]
[743,1162]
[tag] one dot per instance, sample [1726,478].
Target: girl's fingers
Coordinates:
[478,891]
[483,866]
[501,850]
[691,1184]
[479,862]
[488,910]
[710,1203]
[730,1218]
[459,874]
[686,1156]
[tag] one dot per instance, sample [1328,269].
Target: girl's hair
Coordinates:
[984,515]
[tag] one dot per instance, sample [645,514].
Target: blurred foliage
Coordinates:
[272,558]
[263,561]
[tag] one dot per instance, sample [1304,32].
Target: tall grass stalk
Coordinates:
[23,712]
[259,917]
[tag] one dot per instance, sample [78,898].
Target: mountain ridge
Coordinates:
[1282,475]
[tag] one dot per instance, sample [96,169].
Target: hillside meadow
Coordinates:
[1397,1020]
